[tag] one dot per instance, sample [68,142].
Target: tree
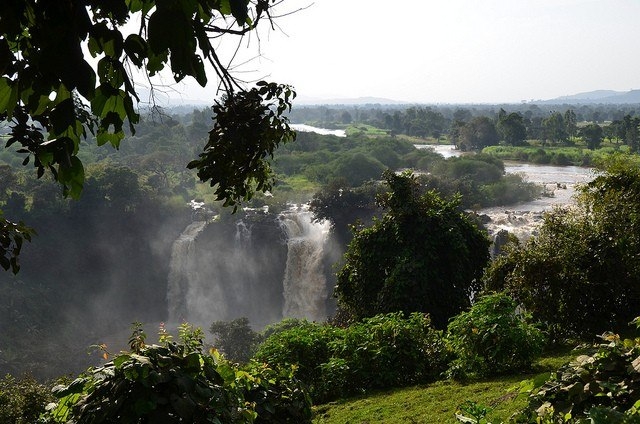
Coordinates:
[554,127]
[580,274]
[477,134]
[423,255]
[592,134]
[52,96]
[512,130]
[571,122]
[236,339]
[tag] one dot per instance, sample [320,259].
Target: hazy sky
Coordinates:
[450,51]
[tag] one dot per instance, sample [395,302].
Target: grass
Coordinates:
[437,402]
[364,129]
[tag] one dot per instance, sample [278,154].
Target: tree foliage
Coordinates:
[593,135]
[477,134]
[423,255]
[511,128]
[235,339]
[12,236]
[52,97]
[580,274]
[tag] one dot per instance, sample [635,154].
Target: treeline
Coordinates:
[475,127]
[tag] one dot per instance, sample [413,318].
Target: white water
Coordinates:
[323,131]
[446,150]
[182,272]
[304,285]
[559,184]
[523,219]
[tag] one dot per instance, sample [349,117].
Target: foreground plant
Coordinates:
[493,338]
[603,387]
[177,382]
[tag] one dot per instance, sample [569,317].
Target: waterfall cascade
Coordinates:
[261,267]
[304,285]
[181,271]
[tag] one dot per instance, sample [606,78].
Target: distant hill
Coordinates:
[597,97]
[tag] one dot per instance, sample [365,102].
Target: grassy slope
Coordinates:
[437,402]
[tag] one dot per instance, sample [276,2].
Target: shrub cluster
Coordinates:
[382,351]
[493,337]
[178,382]
[22,400]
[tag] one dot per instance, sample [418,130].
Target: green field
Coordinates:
[437,402]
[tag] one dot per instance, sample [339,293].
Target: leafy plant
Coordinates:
[601,387]
[178,382]
[493,337]
[473,413]
[22,400]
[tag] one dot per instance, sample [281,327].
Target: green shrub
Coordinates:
[388,351]
[305,347]
[603,387]
[235,338]
[22,400]
[379,352]
[178,382]
[492,338]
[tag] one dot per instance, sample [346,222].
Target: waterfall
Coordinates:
[304,284]
[260,266]
[182,271]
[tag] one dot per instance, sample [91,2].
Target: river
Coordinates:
[522,219]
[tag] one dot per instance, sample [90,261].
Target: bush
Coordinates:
[305,347]
[492,338]
[387,351]
[603,387]
[382,351]
[23,399]
[177,382]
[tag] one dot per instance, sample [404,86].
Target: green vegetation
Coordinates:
[382,351]
[438,402]
[492,338]
[600,387]
[579,275]
[403,261]
[562,156]
[23,399]
[177,382]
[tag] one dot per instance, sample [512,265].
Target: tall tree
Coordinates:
[52,95]
[571,122]
[555,128]
[511,128]
[477,134]
[423,255]
[592,134]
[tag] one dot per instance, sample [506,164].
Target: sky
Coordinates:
[446,51]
